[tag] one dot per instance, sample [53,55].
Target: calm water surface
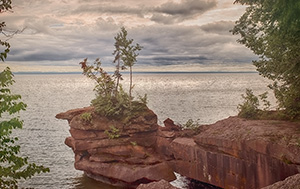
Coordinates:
[203,97]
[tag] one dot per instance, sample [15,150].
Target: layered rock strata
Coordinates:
[235,153]
[232,153]
[108,151]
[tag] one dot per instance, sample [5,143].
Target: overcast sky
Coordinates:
[177,35]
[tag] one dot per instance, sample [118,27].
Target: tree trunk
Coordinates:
[118,74]
[130,87]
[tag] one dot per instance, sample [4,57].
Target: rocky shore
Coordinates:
[235,152]
[232,153]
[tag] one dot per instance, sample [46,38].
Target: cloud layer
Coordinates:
[178,32]
[176,12]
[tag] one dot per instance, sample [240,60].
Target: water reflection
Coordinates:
[84,182]
[210,97]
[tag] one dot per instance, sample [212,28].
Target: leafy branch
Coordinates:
[111,99]
[12,167]
[250,107]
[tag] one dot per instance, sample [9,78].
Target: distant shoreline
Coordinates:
[163,72]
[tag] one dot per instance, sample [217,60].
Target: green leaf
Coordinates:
[12,166]
[271,29]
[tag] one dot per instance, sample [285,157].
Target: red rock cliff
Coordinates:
[114,153]
[232,153]
[235,153]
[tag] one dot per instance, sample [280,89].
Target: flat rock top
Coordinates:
[145,121]
[292,182]
[185,141]
[68,115]
[235,128]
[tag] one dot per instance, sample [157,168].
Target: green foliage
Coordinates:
[298,143]
[191,124]
[136,108]
[105,84]
[3,54]
[86,116]
[5,5]
[143,99]
[111,100]
[133,143]
[250,107]
[118,106]
[125,53]
[112,106]
[266,104]
[113,132]
[271,29]
[12,166]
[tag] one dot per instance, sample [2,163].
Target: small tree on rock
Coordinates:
[127,53]
[111,100]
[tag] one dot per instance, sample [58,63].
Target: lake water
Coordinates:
[203,97]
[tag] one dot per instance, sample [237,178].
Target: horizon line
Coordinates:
[136,72]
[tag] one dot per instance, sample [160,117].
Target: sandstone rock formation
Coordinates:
[292,182]
[114,153]
[232,153]
[235,153]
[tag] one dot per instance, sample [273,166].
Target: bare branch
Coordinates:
[9,34]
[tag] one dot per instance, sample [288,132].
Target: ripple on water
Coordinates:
[207,97]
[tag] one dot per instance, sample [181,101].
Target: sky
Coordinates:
[176,35]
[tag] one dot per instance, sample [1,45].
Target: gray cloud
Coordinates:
[172,33]
[172,12]
[165,45]
[108,9]
[41,56]
[178,60]
[164,19]
[220,27]
[166,13]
